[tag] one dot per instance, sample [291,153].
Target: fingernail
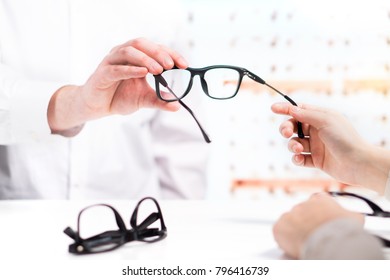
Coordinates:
[297,160]
[157,67]
[294,148]
[168,62]
[285,132]
[182,61]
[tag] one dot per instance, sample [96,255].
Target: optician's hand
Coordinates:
[333,145]
[118,86]
[294,227]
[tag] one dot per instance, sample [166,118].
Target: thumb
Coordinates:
[316,117]
[151,100]
[168,106]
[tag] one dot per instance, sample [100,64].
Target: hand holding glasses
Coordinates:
[218,82]
[112,239]
[375,210]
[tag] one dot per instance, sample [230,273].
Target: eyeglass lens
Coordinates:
[161,80]
[218,83]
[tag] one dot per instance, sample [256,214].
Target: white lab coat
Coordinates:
[46,44]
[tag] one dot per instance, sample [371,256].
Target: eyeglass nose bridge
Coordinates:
[203,83]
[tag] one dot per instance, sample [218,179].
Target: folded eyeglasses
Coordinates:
[151,229]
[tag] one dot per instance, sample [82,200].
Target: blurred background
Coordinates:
[334,54]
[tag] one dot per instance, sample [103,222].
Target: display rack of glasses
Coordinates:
[287,185]
[306,49]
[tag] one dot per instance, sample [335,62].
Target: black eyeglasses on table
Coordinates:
[217,81]
[112,239]
[375,210]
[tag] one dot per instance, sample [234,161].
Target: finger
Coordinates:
[167,95]
[178,59]
[115,73]
[150,100]
[166,106]
[284,108]
[129,55]
[297,145]
[154,51]
[305,128]
[289,127]
[303,160]
[162,54]
[161,105]
[303,113]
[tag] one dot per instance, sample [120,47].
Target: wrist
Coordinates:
[65,117]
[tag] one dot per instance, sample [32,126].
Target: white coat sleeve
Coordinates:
[342,239]
[29,75]
[23,107]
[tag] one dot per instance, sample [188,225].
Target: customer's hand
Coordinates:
[333,145]
[294,227]
[118,86]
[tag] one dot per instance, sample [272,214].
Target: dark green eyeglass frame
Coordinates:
[159,79]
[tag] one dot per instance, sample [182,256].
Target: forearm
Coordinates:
[374,169]
[67,112]
[387,189]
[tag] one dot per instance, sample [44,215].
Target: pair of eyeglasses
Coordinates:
[217,81]
[112,239]
[375,210]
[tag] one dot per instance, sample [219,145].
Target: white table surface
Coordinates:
[197,230]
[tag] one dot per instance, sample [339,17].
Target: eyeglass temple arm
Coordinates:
[205,136]
[377,210]
[148,221]
[261,81]
[162,81]
[71,233]
[384,241]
